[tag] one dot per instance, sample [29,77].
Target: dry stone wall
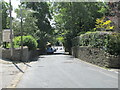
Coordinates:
[96,56]
[6,54]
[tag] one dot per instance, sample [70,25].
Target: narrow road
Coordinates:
[64,71]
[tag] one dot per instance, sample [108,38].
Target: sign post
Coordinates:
[6,35]
[11,32]
[21,54]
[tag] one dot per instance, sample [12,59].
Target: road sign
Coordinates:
[6,35]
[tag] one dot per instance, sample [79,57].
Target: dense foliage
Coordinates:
[103,25]
[28,41]
[29,26]
[107,41]
[42,14]
[36,22]
[72,18]
[113,46]
[5,15]
[69,20]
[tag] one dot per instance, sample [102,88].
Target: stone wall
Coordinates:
[0,53]
[33,54]
[96,56]
[6,54]
[27,55]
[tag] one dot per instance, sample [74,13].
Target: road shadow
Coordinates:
[27,64]
[11,61]
[114,67]
[18,67]
[17,62]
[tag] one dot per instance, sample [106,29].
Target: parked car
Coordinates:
[59,49]
[50,50]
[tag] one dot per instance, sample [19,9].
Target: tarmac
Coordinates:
[12,72]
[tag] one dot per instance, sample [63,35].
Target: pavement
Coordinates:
[64,71]
[11,73]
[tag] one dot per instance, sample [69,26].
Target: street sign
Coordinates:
[6,35]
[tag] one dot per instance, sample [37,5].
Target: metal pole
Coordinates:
[0,23]
[11,32]
[1,30]
[21,55]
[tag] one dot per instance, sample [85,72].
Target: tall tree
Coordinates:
[29,22]
[43,16]
[72,18]
[5,17]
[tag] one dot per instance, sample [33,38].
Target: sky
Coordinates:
[15,4]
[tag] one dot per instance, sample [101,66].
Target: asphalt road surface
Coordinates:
[64,71]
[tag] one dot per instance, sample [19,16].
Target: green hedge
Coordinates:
[108,41]
[28,41]
[113,45]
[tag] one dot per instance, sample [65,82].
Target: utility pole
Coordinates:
[21,30]
[11,32]
[0,24]
[1,30]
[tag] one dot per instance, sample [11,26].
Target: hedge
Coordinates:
[28,41]
[108,41]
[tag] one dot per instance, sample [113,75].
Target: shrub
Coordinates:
[113,45]
[103,24]
[28,41]
[15,46]
[108,41]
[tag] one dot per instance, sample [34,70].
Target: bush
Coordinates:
[113,45]
[28,41]
[108,41]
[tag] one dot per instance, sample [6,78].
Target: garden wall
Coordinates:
[28,55]
[6,54]
[96,56]
[0,53]
[32,54]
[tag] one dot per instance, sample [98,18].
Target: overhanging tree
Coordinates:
[43,16]
[72,18]
[5,17]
